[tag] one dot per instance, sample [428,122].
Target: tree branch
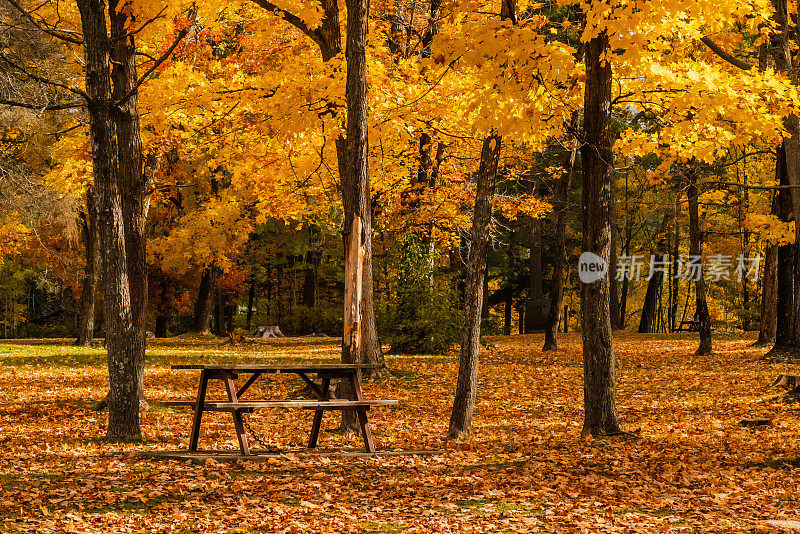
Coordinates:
[47,81]
[64,35]
[159,61]
[48,107]
[143,26]
[292,19]
[736,62]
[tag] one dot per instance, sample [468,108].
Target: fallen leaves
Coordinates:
[525,469]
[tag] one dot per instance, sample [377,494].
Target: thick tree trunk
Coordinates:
[769,297]
[560,251]
[371,351]
[90,273]
[599,378]
[354,172]
[696,250]
[203,305]
[784,308]
[130,176]
[123,352]
[220,325]
[467,385]
[162,324]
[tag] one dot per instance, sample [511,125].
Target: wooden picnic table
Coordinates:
[324,373]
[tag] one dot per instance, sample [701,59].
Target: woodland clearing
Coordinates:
[526,468]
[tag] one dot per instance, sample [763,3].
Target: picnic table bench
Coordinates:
[236,406]
[691,326]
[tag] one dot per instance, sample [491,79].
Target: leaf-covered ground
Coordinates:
[693,468]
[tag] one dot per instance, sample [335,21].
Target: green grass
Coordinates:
[377,526]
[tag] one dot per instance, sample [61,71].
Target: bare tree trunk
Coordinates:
[90,272]
[130,176]
[599,378]
[784,308]
[673,305]
[696,249]
[560,250]
[123,354]
[354,171]
[769,297]
[467,385]
[648,322]
[769,288]
[219,314]
[616,323]
[202,306]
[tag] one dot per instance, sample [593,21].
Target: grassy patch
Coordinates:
[377,526]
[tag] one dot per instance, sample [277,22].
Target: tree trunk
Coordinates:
[616,323]
[123,351]
[674,281]
[533,313]
[769,297]
[648,322]
[560,250]
[599,382]
[220,325]
[696,250]
[162,324]
[90,272]
[130,176]
[310,281]
[467,385]
[785,277]
[509,303]
[251,297]
[203,305]
[354,172]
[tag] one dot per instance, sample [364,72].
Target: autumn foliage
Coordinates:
[688,467]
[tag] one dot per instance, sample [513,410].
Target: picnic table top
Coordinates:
[277,368]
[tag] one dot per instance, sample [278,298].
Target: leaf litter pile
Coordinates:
[691,467]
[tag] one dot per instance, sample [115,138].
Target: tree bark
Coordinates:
[354,172]
[90,272]
[123,397]
[203,305]
[599,382]
[220,325]
[560,250]
[467,385]
[696,249]
[784,308]
[769,297]
[130,176]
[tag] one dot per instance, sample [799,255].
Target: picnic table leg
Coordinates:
[230,387]
[198,410]
[369,444]
[317,424]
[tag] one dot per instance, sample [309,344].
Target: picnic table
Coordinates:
[324,373]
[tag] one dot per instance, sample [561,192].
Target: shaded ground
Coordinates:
[693,469]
